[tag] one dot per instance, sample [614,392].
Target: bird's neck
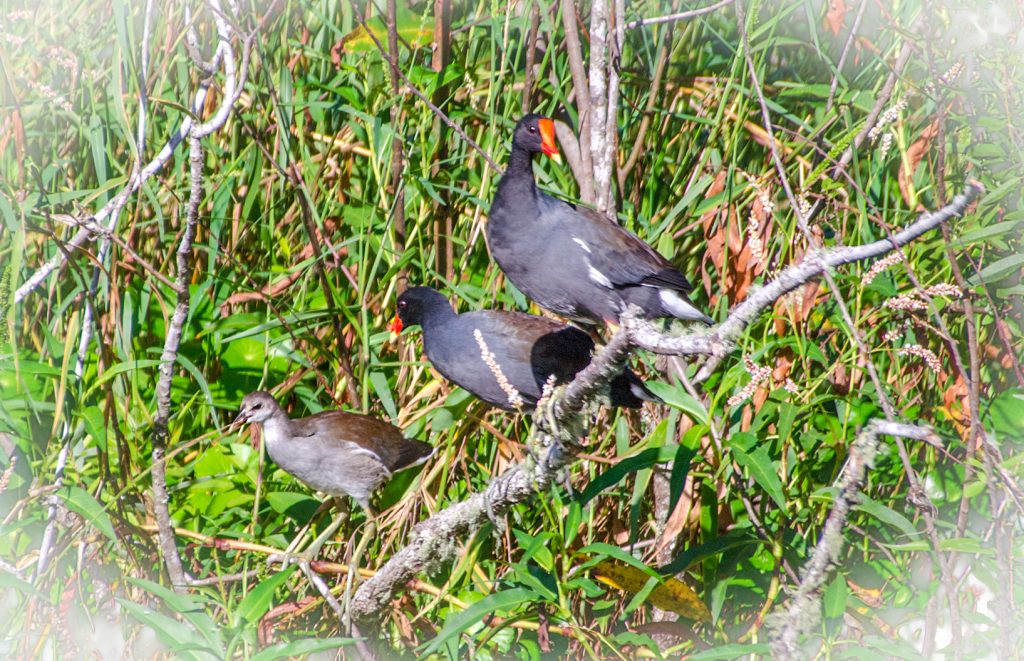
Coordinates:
[520,163]
[276,428]
[437,315]
[517,183]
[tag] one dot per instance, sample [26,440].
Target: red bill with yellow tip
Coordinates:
[547,138]
[395,327]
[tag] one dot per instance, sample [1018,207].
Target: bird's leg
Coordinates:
[313,549]
[353,562]
[301,536]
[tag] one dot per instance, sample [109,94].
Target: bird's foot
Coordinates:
[287,558]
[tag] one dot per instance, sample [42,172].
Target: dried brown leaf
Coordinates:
[913,158]
[836,15]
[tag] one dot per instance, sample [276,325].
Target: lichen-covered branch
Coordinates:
[723,338]
[803,610]
[556,426]
[433,541]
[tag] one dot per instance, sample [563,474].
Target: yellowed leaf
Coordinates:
[913,158]
[413,30]
[671,595]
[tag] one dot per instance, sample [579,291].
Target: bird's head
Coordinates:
[256,407]
[536,133]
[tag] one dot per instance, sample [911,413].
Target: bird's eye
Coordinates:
[257,406]
[402,304]
[533,129]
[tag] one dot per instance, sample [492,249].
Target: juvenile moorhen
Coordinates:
[573,260]
[336,452]
[527,349]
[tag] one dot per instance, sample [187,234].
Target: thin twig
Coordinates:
[397,188]
[660,66]
[531,54]
[834,86]
[585,171]
[176,327]
[168,358]
[421,96]
[681,16]
[83,236]
[915,492]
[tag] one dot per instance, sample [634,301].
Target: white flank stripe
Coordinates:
[678,306]
[598,277]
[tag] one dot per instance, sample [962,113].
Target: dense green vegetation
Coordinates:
[304,239]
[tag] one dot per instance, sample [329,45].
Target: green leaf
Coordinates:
[1007,413]
[887,515]
[256,604]
[763,471]
[301,647]
[380,385]
[689,557]
[82,502]
[999,269]
[641,460]
[183,640]
[283,502]
[189,607]
[835,597]
[989,232]
[128,366]
[676,396]
[412,30]
[733,651]
[495,602]
[10,581]
[601,550]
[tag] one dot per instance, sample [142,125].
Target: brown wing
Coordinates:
[381,438]
[620,255]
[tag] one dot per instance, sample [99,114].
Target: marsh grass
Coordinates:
[309,149]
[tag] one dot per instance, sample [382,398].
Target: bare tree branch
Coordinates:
[917,494]
[601,142]
[815,263]
[135,180]
[585,172]
[531,55]
[176,327]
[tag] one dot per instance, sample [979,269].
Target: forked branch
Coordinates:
[432,542]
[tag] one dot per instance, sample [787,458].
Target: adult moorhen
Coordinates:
[336,452]
[522,352]
[573,260]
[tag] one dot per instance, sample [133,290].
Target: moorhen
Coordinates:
[527,349]
[336,452]
[570,259]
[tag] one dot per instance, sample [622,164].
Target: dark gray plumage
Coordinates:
[527,348]
[572,260]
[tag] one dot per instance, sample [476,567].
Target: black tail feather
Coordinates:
[627,391]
